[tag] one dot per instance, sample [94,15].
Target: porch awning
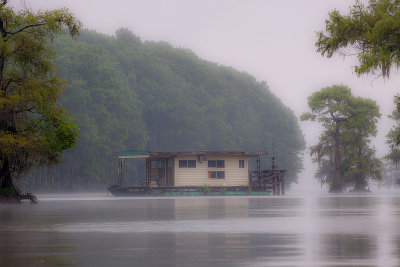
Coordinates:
[132,154]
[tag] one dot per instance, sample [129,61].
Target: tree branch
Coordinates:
[27,109]
[27,27]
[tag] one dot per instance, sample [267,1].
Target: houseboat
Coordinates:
[199,173]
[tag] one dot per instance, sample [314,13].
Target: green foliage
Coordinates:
[9,192]
[206,190]
[334,101]
[348,123]
[127,36]
[34,130]
[249,189]
[392,138]
[61,133]
[127,94]
[372,31]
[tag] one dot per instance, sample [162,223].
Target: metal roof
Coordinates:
[159,154]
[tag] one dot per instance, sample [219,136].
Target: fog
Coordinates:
[272,40]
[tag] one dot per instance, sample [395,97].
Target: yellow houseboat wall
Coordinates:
[235,174]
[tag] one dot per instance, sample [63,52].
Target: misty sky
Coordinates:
[270,39]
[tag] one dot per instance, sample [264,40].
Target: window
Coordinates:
[182,163]
[187,163]
[191,164]
[220,163]
[216,174]
[241,163]
[216,163]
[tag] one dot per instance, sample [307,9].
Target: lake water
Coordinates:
[100,230]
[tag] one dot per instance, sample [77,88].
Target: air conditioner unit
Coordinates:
[203,158]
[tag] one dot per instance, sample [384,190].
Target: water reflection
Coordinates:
[201,231]
[335,247]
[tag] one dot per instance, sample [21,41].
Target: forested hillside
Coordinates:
[128,94]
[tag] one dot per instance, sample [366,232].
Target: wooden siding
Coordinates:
[234,176]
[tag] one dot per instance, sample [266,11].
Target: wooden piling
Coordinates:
[274,185]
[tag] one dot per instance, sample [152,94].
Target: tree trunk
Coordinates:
[5,175]
[336,186]
[7,124]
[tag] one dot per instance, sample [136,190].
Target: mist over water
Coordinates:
[296,230]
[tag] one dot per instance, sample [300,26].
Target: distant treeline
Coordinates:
[128,94]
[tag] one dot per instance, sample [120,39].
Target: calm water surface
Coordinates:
[102,230]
